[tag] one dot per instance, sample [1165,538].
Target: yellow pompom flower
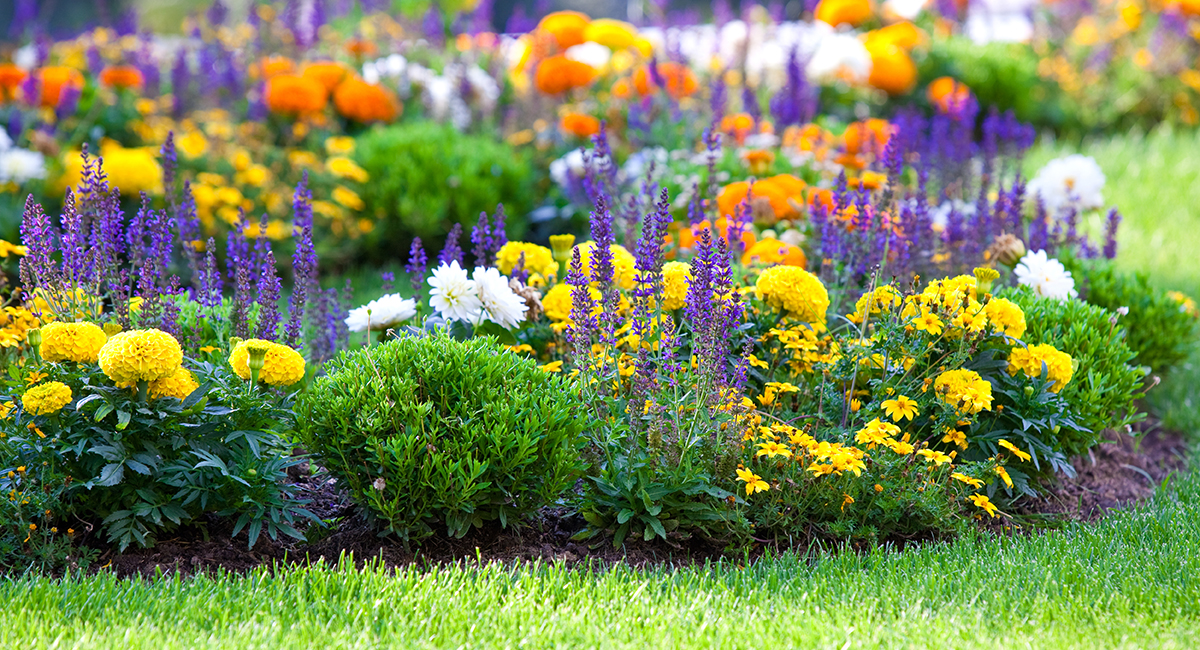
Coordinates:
[140,355]
[348,198]
[1030,359]
[676,277]
[557,303]
[345,168]
[282,365]
[47,398]
[179,385]
[623,263]
[794,291]
[538,259]
[965,390]
[882,299]
[1005,317]
[78,342]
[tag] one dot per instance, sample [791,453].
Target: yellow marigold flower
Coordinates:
[46,399]
[754,482]
[131,170]
[193,144]
[348,198]
[140,355]
[985,503]
[965,390]
[179,385]
[676,278]
[1005,317]
[538,259]
[1014,449]
[553,366]
[955,437]
[339,145]
[875,433]
[935,457]
[878,301]
[795,292]
[7,248]
[345,168]
[963,478]
[556,304]
[900,408]
[78,342]
[1186,304]
[1030,360]
[282,365]
[773,449]
[929,324]
[6,408]
[1003,474]
[623,263]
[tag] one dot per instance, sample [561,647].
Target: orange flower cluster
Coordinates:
[892,67]
[680,81]
[294,95]
[327,73]
[53,80]
[580,125]
[770,199]
[362,102]
[947,93]
[837,12]
[566,27]
[272,66]
[122,77]
[558,74]
[10,79]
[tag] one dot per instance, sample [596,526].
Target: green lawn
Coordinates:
[1130,581]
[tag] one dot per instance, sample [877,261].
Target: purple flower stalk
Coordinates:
[451,252]
[304,262]
[417,262]
[269,290]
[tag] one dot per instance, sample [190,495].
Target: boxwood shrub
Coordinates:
[426,432]
[1106,382]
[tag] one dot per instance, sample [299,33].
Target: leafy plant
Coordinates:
[1159,331]
[427,432]
[426,177]
[1106,384]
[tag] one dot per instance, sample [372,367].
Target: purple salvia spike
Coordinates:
[451,252]
[1110,233]
[417,262]
[304,262]
[480,234]
[499,230]
[269,290]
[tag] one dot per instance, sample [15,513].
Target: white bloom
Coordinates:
[5,141]
[1046,275]
[1074,181]
[940,216]
[388,311]
[370,73]
[500,304]
[20,165]
[453,294]
[593,54]
[906,9]
[840,55]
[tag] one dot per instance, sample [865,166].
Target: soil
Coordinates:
[1116,474]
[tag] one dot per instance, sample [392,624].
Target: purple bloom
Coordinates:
[417,262]
[217,12]
[451,251]
[1110,234]
[481,240]
[269,290]
[304,261]
[210,277]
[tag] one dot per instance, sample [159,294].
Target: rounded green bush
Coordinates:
[1106,383]
[430,431]
[427,176]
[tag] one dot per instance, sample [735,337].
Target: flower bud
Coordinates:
[1006,249]
[561,246]
[258,357]
[252,472]
[1029,391]
[35,337]
[984,277]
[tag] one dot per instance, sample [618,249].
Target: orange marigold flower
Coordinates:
[11,77]
[53,79]
[867,136]
[580,125]
[272,66]
[289,94]
[739,125]
[680,80]
[892,69]
[361,47]
[836,12]
[947,93]
[903,34]
[363,102]
[122,76]
[565,26]
[327,73]
[558,74]
[772,251]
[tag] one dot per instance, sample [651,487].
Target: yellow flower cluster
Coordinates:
[15,323]
[282,365]
[78,342]
[538,259]
[878,301]
[131,170]
[47,398]
[623,263]
[675,276]
[965,390]
[1030,360]
[179,385]
[795,292]
[556,304]
[1005,317]
[140,355]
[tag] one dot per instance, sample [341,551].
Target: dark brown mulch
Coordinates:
[1120,472]
[1115,474]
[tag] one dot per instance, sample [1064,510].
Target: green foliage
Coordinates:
[146,466]
[1106,382]
[426,177]
[1003,75]
[426,432]
[33,508]
[1158,329]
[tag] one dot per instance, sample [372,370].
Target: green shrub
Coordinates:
[431,431]
[1106,382]
[1158,330]
[425,177]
